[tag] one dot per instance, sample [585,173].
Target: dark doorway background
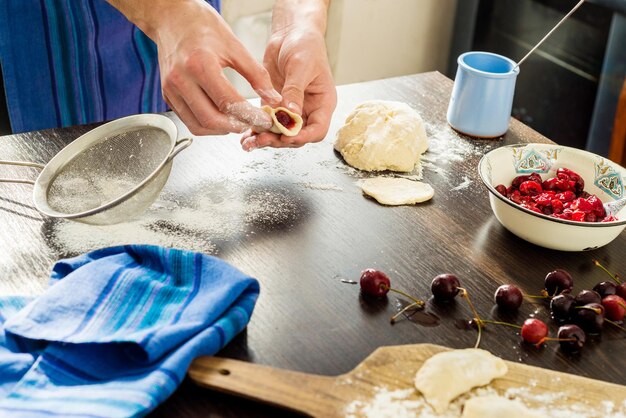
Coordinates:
[557,85]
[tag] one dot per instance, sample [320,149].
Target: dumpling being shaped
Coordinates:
[285,121]
[448,374]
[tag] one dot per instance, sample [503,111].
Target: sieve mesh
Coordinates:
[108,169]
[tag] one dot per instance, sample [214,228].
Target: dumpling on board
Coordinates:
[446,375]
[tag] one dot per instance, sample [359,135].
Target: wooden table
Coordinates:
[296,220]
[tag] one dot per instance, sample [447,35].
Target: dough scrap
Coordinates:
[493,406]
[382,135]
[449,374]
[279,128]
[397,191]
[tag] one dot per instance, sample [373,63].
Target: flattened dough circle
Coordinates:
[397,191]
[279,128]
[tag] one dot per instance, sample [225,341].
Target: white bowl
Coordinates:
[602,177]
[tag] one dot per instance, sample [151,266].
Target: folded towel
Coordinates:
[114,334]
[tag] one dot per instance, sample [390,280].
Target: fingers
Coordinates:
[255,74]
[294,87]
[256,118]
[225,97]
[213,122]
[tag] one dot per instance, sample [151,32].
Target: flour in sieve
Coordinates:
[71,194]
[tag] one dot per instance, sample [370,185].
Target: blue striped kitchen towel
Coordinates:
[115,332]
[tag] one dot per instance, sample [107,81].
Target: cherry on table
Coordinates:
[561,307]
[586,297]
[534,331]
[590,317]
[571,338]
[445,287]
[620,290]
[508,297]
[557,281]
[374,283]
[614,307]
[605,289]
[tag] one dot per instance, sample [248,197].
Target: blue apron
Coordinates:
[71,62]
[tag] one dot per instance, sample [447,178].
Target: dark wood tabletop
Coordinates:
[296,220]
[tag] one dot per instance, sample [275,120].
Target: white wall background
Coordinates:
[366,39]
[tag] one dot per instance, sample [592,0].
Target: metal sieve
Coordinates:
[110,174]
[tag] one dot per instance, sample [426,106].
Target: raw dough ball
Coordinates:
[493,406]
[382,135]
[449,374]
[396,191]
[285,121]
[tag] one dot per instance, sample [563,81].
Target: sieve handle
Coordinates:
[180,145]
[21,164]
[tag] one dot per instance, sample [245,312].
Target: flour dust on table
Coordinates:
[207,217]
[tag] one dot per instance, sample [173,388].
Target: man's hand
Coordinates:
[194,45]
[298,65]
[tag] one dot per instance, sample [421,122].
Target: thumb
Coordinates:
[293,90]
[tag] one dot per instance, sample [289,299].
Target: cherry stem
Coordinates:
[406,295]
[596,310]
[479,322]
[616,324]
[487,321]
[480,332]
[613,276]
[544,295]
[413,305]
[544,339]
[465,294]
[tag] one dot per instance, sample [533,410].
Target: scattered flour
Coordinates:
[199,223]
[404,403]
[321,186]
[446,145]
[466,182]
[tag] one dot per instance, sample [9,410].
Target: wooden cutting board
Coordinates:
[393,368]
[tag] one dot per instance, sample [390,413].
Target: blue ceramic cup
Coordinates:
[482,97]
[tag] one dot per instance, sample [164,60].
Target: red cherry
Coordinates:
[374,283]
[445,287]
[508,297]
[534,331]
[530,188]
[614,307]
[620,290]
[557,281]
